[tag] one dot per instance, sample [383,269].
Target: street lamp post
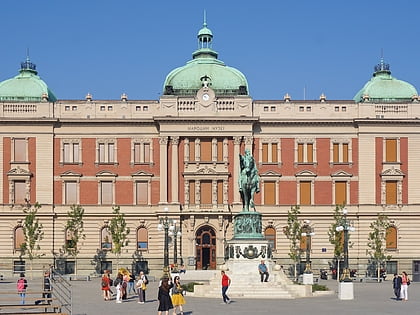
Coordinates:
[346,283]
[308,232]
[175,233]
[165,224]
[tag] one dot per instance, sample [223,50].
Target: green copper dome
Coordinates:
[382,87]
[27,86]
[187,80]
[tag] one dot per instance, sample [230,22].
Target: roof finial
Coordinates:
[28,65]
[205,19]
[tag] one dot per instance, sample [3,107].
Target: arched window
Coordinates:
[142,239]
[303,243]
[270,236]
[391,237]
[19,238]
[106,239]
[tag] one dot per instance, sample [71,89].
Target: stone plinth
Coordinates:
[345,291]
[308,278]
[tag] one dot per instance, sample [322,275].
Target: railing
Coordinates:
[62,291]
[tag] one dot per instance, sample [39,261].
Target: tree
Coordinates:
[33,233]
[119,232]
[293,232]
[74,232]
[377,242]
[336,238]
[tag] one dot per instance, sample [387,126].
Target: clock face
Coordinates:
[206,97]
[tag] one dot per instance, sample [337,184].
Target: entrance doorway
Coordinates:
[205,248]
[416,270]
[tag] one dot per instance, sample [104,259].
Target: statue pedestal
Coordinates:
[308,278]
[345,291]
[243,250]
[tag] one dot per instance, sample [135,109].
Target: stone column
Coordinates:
[163,171]
[248,143]
[236,169]
[174,169]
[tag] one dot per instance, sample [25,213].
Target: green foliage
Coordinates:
[32,231]
[74,229]
[319,287]
[377,239]
[189,287]
[336,238]
[119,231]
[293,232]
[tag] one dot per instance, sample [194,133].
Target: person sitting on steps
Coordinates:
[263,270]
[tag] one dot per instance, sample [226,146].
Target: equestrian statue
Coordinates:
[249,181]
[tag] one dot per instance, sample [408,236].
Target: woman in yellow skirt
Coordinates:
[177,296]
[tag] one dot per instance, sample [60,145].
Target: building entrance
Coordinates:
[416,270]
[205,248]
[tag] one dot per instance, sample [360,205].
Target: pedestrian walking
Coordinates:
[141,286]
[118,283]
[131,284]
[165,302]
[396,285]
[405,282]
[105,286]
[225,286]
[177,296]
[21,286]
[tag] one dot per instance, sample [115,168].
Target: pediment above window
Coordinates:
[270,174]
[341,174]
[106,174]
[305,173]
[141,174]
[392,172]
[70,174]
[17,171]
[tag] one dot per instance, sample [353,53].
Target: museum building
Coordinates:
[177,158]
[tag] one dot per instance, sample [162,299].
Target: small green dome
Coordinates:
[383,88]
[188,79]
[27,86]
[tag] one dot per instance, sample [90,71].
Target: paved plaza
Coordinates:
[370,298]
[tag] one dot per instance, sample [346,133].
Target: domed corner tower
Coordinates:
[383,88]
[205,70]
[27,86]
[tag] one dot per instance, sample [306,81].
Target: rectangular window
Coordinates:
[20,154]
[391,192]
[219,150]
[269,193]
[106,193]
[102,153]
[141,193]
[70,193]
[391,150]
[146,148]
[19,192]
[300,153]
[274,158]
[192,151]
[111,157]
[310,152]
[205,150]
[336,153]
[137,153]
[205,192]
[66,153]
[265,152]
[305,193]
[340,193]
[345,152]
[192,192]
[70,153]
[19,266]
[219,192]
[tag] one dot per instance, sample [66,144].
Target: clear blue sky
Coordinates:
[109,47]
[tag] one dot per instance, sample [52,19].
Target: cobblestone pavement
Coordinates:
[370,298]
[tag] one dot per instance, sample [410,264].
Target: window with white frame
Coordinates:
[19,238]
[142,151]
[71,193]
[340,152]
[70,152]
[142,238]
[305,152]
[391,150]
[142,193]
[19,192]
[269,152]
[106,192]
[106,152]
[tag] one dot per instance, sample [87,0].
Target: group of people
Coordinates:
[400,285]
[124,284]
[22,285]
[170,293]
